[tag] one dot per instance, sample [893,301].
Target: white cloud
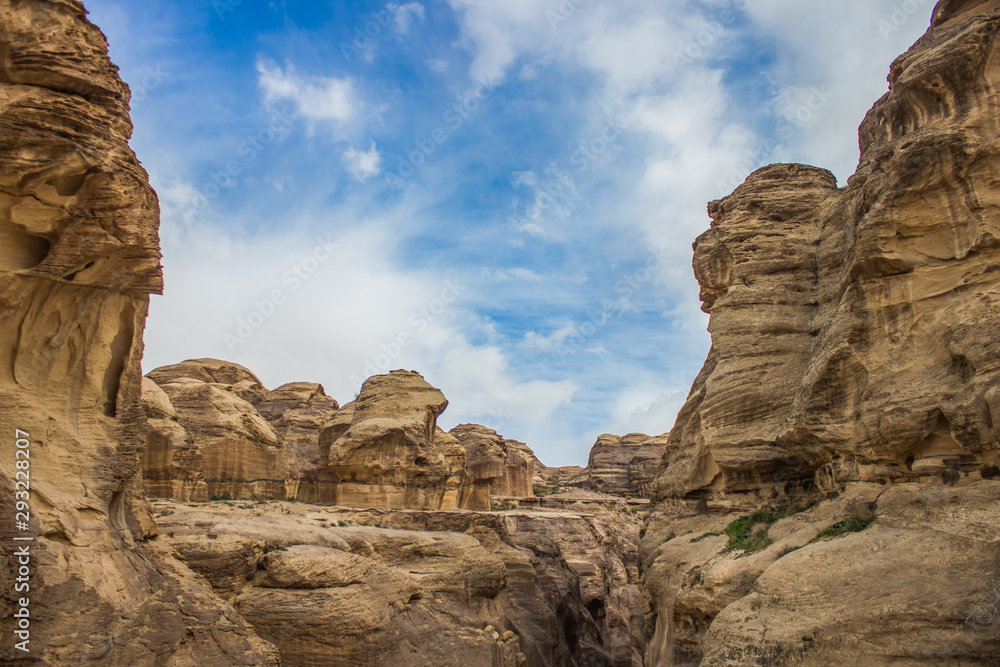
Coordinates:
[363,164]
[437,65]
[404,14]
[315,98]
[528,275]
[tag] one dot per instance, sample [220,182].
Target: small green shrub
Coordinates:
[225,495]
[502,507]
[852,524]
[749,533]
[542,491]
[706,536]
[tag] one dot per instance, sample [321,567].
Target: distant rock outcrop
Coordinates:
[297,412]
[855,361]
[494,466]
[392,454]
[624,466]
[78,258]
[231,450]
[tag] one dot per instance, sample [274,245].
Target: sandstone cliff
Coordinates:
[853,361]
[297,412]
[228,446]
[78,259]
[333,585]
[623,466]
[392,453]
[494,466]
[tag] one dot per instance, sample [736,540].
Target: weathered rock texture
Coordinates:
[618,465]
[855,344]
[331,585]
[624,466]
[78,259]
[494,466]
[392,453]
[297,412]
[226,447]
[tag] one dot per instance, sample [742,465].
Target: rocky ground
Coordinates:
[347,586]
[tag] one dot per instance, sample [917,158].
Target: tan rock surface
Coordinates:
[231,448]
[624,465]
[78,259]
[297,412]
[854,352]
[393,454]
[236,378]
[494,465]
[410,587]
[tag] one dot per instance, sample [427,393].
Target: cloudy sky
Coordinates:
[499,194]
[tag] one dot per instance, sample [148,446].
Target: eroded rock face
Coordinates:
[297,412]
[854,352]
[626,465]
[331,585]
[227,447]
[494,466]
[392,453]
[78,259]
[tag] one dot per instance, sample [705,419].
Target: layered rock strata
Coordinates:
[624,466]
[297,412]
[226,447]
[494,466]
[331,585]
[854,362]
[392,453]
[78,259]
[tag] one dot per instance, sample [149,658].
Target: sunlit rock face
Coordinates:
[392,454]
[625,465]
[494,466]
[79,256]
[855,340]
[345,586]
[227,449]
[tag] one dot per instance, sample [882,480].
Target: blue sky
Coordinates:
[499,194]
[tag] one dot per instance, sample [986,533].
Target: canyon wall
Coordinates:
[79,256]
[854,365]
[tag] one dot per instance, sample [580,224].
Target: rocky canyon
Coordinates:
[828,495]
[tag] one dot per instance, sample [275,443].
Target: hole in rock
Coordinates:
[19,250]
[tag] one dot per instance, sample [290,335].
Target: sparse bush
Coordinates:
[502,507]
[542,491]
[990,472]
[852,524]
[987,613]
[950,477]
[749,533]
[225,495]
